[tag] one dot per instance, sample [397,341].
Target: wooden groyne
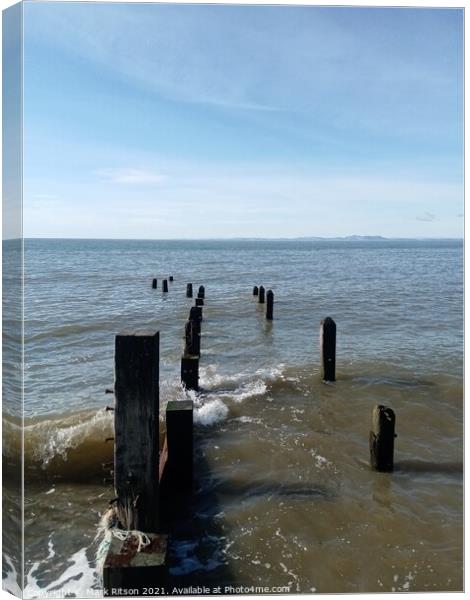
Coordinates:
[152,474]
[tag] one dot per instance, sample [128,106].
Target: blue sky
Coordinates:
[167,121]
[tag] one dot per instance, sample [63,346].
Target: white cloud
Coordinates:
[130,176]
[45,196]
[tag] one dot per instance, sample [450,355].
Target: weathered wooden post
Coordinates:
[199,302]
[189,290]
[328,349]
[195,322]
[171,277]
[136,463]
[261,294]
[154,284]
[195,313]
[187,336]
[382,438]
[192,338]
[136,418]
[269,305]
[255,290]
[190,371]
[201,293]
[165,285]
[179,435]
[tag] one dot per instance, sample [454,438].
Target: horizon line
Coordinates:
[352,237]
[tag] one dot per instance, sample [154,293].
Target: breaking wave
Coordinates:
[74,447]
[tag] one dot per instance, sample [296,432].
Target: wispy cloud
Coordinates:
[427,216]
[45,196]
[130,176]
[313,119]
[257,200]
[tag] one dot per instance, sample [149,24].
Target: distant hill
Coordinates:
[348,238]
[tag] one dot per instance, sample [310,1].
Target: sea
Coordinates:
[284,497]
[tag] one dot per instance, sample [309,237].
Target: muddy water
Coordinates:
[284,496]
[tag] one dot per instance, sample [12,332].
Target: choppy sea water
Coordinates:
[284,495]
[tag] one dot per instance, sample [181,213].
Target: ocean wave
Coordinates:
[210,413]
[69,446]
[220,390]
[212,379]
[66,330]
[72,446]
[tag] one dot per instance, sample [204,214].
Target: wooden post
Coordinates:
[171,277]
[328,349]
[382,438]
[187,337]
[192,338]
[136,423]
[269,305]
[199,302]
[195,313]
[255,290]
[154,284]
[179,435]
[195,347]
[261,294]
[195,323]
[190,372]
[165,285]
[201,293]
[189,290]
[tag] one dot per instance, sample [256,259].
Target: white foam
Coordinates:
[10,582]
[211,379]
[246,391]
[246,419]
[211,412]
[320,461]
[79,580]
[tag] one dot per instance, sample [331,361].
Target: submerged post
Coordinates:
[328,349]
[199,302]
[136,422]
[261,294]
[165,285]
[154,284]
[269,305]
[382,438]
[189,290]
[171,277]
[201,293]
[255,290]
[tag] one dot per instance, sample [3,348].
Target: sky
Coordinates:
[183,121]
